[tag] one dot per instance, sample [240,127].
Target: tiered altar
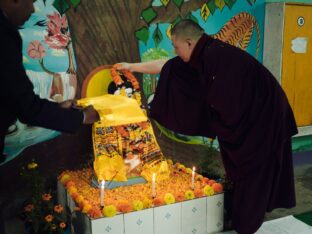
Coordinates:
[132,187]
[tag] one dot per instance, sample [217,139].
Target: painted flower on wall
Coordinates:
[58,36]
[36,50]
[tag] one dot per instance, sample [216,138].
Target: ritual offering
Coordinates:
[132,187]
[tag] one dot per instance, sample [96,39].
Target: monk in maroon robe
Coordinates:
[214,89]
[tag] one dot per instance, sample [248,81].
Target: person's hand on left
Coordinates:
[90,115]
[71,103]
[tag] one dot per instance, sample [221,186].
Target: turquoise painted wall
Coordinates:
[291,1]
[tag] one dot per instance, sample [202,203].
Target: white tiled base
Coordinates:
[194,216]
[139,222]
[197,216]
[167,219]
[114,225]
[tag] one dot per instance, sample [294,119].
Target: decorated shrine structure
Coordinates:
[132,187]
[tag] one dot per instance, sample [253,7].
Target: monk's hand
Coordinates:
[68,104]
[90,115]
[124,66]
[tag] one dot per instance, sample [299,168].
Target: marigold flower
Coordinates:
[179,197]
[189,194]
[64,178]
[71,190]
[46,197]
[62,225]
[199,177]
[198,192]
[69,184]
[86,208]
[211,182]
[74,196]
[217,187]
[147,203]
[83,203]
[208,190]
[169,198]
[29,208]
[158,201]
[58,208]
[94,213]
[49,218]
[189,171]
[109,211]
[79,199]
[169,161]
[205,180]
[137,205]
[124,206]
[32,165]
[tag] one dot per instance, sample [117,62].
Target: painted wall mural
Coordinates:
[110,31]
[239,24]
[50,65]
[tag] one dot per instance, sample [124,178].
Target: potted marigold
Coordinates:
[40,212]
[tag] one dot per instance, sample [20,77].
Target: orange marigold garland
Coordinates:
[120,83]
[118,80]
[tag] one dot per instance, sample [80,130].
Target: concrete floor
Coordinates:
[303,183]
[303,179]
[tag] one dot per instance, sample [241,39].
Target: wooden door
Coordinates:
[297,61]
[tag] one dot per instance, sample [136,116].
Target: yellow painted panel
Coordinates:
[98,83]
[297,67]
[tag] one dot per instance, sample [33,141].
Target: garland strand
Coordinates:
[118,80]
[133,80]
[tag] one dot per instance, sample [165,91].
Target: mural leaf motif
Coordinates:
[178,3]
[157,36]
[142,34]
[229,3]
[212,6]
[204,12]
[251,2]
[220,4]
[168,31]
[61,6]
[165,2]
[191,17]
[149,14]
[176,20]
[75,3]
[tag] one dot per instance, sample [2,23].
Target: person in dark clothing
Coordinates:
[214,89]
[16,91]
[18,98]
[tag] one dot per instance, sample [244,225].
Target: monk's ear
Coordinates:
[189,41]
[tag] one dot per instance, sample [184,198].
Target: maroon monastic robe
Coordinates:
[225,92]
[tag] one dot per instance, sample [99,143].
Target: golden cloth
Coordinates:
[124,143]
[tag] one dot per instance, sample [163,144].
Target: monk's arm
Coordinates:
[150,67]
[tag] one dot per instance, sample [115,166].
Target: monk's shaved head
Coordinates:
[187,29]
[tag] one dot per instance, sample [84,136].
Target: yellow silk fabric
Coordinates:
[115,110]
[109,145]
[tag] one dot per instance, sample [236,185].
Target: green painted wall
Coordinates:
[291,1]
